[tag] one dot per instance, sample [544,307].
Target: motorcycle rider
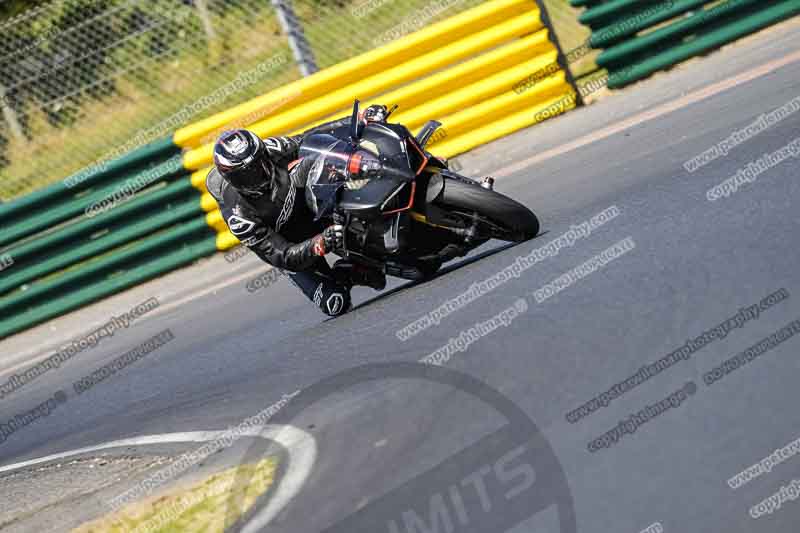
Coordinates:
[256,182]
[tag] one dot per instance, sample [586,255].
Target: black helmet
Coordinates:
[241,158]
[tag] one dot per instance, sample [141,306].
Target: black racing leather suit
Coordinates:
[279,227]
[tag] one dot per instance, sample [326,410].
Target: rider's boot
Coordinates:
[350,273]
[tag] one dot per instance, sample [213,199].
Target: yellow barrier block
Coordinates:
[468,97]
[398,75]
[198,179]
[505,104]
[214,220]
[441,83]
[199,157]
[207,203]
[330,79]
[528,116]
[226,241]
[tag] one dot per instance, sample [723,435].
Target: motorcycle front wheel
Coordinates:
[498,216]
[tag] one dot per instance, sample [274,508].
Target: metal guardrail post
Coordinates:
[297,38]
[562,59]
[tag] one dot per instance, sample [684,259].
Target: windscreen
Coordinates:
[328,173]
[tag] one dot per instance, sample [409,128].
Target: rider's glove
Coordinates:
[329,240]
[376,113]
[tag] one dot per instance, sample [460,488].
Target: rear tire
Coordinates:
[509,214]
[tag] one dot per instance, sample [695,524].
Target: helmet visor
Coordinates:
[254,179]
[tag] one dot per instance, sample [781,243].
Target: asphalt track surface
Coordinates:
[695,264]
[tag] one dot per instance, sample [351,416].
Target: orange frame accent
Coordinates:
[425,158]
[410,202]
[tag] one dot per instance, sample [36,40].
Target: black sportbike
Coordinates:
[401,208]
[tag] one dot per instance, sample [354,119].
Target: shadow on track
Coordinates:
[445,270]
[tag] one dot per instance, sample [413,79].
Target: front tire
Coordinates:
[518,223]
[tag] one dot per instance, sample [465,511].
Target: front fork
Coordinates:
[468,234]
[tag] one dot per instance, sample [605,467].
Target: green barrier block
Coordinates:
[75,280]
[174,192]
[628,26]
[177,258]
[713,39]
[50,217]
[627,51]
[582,3]
[90,176]
[613,9]
[129,232]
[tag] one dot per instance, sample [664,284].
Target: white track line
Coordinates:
[300,445]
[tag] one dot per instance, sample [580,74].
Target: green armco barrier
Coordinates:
[620,53]
[174,192]
[130,231]
[91,176]
[48,217]
[641,37]
[75,279]
[182,256]
[761,19]
[631,25]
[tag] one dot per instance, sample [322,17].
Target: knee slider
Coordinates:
[334,301]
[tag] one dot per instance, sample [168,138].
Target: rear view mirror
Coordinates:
[355,123]
[427,131]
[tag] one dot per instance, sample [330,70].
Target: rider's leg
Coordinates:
[319,286]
